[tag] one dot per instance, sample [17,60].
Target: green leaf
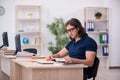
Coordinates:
[57,28]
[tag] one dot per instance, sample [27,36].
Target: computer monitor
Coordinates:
[17,44]
[5,40]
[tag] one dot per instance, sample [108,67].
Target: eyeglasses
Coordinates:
[70,30]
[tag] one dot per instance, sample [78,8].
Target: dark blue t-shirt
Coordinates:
[79,48]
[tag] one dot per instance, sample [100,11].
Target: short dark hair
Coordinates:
[77,24]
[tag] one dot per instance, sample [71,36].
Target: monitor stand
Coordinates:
[15,52]
[2,46]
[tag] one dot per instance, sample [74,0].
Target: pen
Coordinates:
[52,58]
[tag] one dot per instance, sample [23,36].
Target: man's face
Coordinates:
[72,31]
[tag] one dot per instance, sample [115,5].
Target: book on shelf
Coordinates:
[90,25]
[105,50]
[107,38]
[103,38]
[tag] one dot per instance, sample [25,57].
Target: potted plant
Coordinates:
[57,28]
[98,15]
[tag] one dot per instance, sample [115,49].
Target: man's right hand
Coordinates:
[48,58]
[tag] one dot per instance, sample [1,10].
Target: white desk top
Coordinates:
[7,52]
[8,56]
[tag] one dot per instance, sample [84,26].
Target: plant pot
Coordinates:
[98,17]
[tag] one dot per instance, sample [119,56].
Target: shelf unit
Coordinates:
[28,26]
[98,29]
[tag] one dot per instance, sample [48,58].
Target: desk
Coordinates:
[25,69]
[3,61]
[5,66]
[0,68]
[1,51]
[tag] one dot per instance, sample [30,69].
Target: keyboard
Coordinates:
[24,54]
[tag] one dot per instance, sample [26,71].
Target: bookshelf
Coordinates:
[98,29]
[28,26]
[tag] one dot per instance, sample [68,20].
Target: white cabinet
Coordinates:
[98,29]
[28,26]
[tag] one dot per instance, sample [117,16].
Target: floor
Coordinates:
[108,74]
[104,73]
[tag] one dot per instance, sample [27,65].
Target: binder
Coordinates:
[101,39]
[105,50]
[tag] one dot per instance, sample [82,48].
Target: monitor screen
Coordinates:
[17,44]
[5,40]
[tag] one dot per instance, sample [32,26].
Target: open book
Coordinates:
[45,62]
[61,60]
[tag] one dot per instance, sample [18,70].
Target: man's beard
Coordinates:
[71,38]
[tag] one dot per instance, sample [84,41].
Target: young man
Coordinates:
[81,48]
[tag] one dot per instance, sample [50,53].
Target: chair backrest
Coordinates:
[94,68]
[31,50]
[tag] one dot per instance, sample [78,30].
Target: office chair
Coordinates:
[94,69]
[31,50]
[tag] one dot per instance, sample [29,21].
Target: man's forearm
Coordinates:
[56,56]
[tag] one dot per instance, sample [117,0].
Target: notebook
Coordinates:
[45,62]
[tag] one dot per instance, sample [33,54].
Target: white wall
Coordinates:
[114,33]
[65,9]
[50,9]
